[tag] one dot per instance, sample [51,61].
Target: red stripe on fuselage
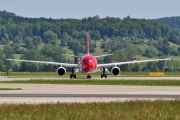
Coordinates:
[89,63]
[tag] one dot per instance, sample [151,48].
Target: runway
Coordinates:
[2,78]
[46,93]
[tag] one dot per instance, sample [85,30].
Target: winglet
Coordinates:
[4,57]
[171,57]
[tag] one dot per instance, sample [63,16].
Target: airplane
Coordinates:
[88,64]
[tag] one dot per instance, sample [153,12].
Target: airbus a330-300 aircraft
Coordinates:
[88,64]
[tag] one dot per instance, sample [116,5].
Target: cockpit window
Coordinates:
[89,60]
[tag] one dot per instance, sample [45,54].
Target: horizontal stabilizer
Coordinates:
[72,55]
[103,55]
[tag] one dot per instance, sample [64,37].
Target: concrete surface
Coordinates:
[43,93]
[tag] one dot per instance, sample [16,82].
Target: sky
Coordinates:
[78,9]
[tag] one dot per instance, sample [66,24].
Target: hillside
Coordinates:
[174,22]
[47,39]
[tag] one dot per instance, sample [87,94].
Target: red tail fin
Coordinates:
[87,43]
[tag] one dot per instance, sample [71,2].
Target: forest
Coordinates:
[174,22]
[127,39]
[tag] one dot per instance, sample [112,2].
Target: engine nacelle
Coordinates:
[115,71]
[61,71]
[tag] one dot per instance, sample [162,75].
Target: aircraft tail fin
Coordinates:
[87,43]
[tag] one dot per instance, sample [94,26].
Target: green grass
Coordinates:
[40,46]
[176,58]
[67,50]
[98,50]
[143,46]
[174,45]
[17,56]
[101,82]
[80,75]
[129,110]
[10,88]
[29,74]
[1,46]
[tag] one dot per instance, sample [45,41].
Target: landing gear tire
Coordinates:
[101,75]
[72,75]
[105,75]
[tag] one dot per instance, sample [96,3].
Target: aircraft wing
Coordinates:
[130,62]
[45,62]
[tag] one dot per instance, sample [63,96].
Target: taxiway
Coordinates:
[45,93]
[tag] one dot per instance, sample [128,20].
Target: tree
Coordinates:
[150,52]
[96,35]
[178,49]
[152,66]
[33,67]
[2,66]
[130,52]
[107,59]
[169,65]
[53,51]
[125,67]
[50,37]
[36,29]
[8,51]
[46,68]
[23,66]
[29,67]
[136,68]
[17,40]
[29,42]
[15,68]
[176,65]
[161,65]
[36,40]
[32,55]
[17,49]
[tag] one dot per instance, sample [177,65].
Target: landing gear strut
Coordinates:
[72,75]
[103,75]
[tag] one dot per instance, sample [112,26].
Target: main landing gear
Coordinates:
[103,75]
[72,75]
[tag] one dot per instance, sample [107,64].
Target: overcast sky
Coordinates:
[79,9]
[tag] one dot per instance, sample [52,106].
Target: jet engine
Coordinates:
[115,71]
[61,71]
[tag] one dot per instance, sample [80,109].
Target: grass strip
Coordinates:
[10,88]
[97,74]
[102,82]
[128,110]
